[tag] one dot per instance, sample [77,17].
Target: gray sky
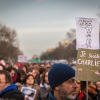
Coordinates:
[41,24]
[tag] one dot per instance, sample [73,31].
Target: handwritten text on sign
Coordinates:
[88,65]
[92,59]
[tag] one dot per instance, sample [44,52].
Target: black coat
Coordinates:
[11,92]
[42,93]
[96,97]
[14,94]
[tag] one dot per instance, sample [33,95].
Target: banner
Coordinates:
[88,65]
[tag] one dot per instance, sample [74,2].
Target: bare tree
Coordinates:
[64,52]
[71,35]
[8,44]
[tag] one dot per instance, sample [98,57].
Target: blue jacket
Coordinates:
[50,96]
[11,92]
[9,88]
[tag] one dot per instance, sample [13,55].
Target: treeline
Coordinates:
[9,49]
[68,53]
[63,52]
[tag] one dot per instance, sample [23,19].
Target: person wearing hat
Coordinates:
[62,81]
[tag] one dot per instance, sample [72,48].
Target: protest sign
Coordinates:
[22,58]
[88,65]
[87,33]
[29,92]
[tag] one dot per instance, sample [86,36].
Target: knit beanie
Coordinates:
[60,73]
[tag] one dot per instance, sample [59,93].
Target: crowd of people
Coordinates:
[41,81]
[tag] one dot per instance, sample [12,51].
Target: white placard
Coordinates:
[22,58]
[87,33]
[2,62]
[29,92]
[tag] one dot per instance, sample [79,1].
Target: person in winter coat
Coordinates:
[44,86]
[8,90]
[29,83]
[62,81]
[91,90]
[97,96]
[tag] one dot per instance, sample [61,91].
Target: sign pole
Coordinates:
[87,90]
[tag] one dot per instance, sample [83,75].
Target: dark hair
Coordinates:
[83,84]
[41,70]
[7,76]
[25,67]
[20,72]
[30,69]
[43,76]
[27,76]
[9,69]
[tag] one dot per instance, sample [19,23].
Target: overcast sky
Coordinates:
[41,24]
